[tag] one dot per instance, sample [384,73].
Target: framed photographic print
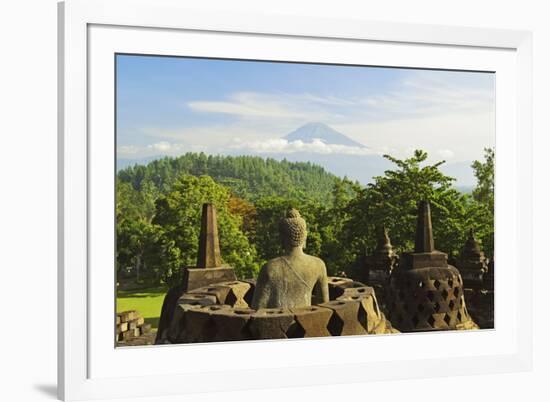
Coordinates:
[343,200]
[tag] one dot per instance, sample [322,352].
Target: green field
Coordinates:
[148,302]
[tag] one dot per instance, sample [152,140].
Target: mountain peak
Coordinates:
[315,130]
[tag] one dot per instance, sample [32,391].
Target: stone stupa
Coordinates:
[426,293]
[209,268]
[472,262]
[381,263]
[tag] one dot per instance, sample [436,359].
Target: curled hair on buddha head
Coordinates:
[293,229]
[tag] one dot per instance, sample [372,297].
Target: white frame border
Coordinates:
[74,18]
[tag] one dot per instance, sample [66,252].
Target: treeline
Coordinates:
[248,177]
[158,211]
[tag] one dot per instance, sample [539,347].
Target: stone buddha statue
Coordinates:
[294,279]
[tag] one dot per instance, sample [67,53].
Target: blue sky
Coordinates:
[168,106]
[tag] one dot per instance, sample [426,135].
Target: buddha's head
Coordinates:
[293,230]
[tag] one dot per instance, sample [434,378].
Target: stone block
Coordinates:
[336,286]
[423,260]
[194,278]
[126,316]
[118,321]
[237,294]
[197,299]
[167,311]
[345,319]
[123,327]
[231,324]
[310,322]
[250,293]
[270,323]
[145,329]
[197,325]
[124,336]
[177,332]
[369,313]
[220,291]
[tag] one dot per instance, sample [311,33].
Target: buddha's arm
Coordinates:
[262,292]
[321,287]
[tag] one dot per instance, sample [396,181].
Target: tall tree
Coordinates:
[178,215]
[484,195]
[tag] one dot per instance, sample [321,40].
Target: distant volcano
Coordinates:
[310,131]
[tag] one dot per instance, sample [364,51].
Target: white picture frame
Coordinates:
[91,31]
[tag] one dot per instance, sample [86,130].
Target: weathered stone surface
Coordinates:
[250,293]
[346,319]
[199,323]
[369,315]
[426,293]
[424,240]
[219,291]
[237,294]
[337,286]
[197,299]
[472,263]
[231,324]
[423,260]
[481,306]
[126,316]
[207,272]
[180,332]
[272,323]
[195,278]
[167,311]
[209,255]
[379,266]
[309,322]
[186,301]
[427,299]
[294,279]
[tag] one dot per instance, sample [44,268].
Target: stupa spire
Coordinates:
[209,255]
[424,241]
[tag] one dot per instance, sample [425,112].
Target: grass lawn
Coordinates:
[147,302]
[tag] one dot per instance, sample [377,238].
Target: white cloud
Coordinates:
[282,145]
[442,113]
[155,149]
[445,153]
[163,146]
[255,105]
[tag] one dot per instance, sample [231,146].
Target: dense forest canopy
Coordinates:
[158,211]
[248,177]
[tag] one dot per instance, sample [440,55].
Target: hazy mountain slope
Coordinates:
[311,131]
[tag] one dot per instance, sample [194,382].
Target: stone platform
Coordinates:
[220,312]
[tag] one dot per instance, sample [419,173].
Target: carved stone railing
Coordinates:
[220,312]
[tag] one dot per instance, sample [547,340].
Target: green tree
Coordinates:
[485,175]
[178,214]
[484,195]
[391,201]
[134,211]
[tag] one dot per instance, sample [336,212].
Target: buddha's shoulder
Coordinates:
[274,265]
[315,260]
